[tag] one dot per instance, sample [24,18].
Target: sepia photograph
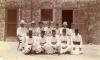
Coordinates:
[49,29]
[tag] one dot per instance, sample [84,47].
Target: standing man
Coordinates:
[21,34]
[57,29]
[48,29]
[33,27]
[64,27]
[40,28]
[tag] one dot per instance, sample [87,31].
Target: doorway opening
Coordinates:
[11,23]
[67,15]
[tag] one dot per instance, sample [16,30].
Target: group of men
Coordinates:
[48,39]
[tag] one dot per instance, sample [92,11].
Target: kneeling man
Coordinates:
[41,43]
[54,42]
[77,43]
[64,42]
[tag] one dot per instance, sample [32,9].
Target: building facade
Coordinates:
[84,14]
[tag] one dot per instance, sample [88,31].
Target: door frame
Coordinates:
[72,15]
[6,13]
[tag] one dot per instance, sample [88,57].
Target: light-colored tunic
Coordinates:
[77,44]
[64,44]
[21,34]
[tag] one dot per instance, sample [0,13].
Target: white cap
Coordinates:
[22,22]
[30,28]
[65,23]
[33,22]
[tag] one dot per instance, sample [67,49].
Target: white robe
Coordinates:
[57,31]
[28,44]
[54,43]
[48,31]
[38,30]
[41,44]
[64,47]
[77,45]
[21,34]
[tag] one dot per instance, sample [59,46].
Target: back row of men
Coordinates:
[49,40]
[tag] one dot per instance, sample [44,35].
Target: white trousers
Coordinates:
[22,44]
[27,49]
[76,49]
[64,48]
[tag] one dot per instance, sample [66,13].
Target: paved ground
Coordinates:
[8,51]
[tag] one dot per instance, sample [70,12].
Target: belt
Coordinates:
[53,43]
[29,44]
[76,43]
[64,42]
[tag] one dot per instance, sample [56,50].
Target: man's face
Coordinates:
[53,33]
[33,24]
[65,26]
[40,25]
[64,33]
[42,34]
[57,26]
[22,25]
[76,32]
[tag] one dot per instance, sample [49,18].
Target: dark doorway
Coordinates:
[11,23]
[67,15]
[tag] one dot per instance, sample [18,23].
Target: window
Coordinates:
[46,14]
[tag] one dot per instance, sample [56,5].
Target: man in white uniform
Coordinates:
[48,29]
[54,42]
[21,34]
[41,46]
[64,27]
[29,42]
[57,29]
[40,28]
[77,43]
[64,43]
[33,27]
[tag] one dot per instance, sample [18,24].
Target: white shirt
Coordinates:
[29,40]
[78,38]
[34,31]
[22,31]
[48,30]
[58,31]
[42,40]
[38,30]
[54,40]
[64,38]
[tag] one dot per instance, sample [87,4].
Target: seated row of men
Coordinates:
[49,40]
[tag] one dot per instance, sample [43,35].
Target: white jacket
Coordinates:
[22,31]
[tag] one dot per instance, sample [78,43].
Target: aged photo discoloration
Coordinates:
[49,29]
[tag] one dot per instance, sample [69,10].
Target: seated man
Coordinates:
[41,43]
[64,43]
[54,42]
[29,42]
[77,43]
[21,33]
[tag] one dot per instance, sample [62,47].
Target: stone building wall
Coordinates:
[85,14]
[2,20]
